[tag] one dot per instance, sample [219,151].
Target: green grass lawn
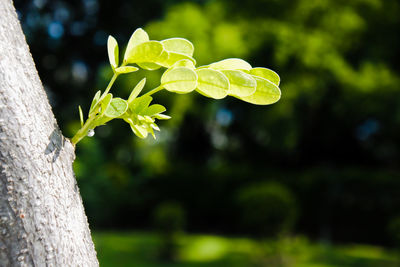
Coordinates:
[142,249]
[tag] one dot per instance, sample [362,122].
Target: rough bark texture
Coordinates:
[42,220]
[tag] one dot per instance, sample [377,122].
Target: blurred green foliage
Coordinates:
[139,249]
[332,140]
[267,210]
[169,222]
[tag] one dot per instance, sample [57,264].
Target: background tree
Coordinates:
[42,220]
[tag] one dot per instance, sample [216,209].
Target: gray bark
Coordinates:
[42,220]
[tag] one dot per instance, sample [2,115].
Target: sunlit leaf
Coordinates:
[94,101]
[179,80]
[184,63]
[139,36]
[117,107]
[172,58]
[266,93]
[266,74]
[105,102]
[230,64]
[137,129]
[241,84]
[155,126]
[136,91]
[140,104]
[179,45]
[154,109]
[149,66]
[212,83]
[148,119]
[150,130]
[80,115]
[145,52]
[113,53]
[125,69]
[162,117]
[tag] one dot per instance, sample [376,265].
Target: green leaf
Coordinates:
[154,109]
[145,52]
[94,101]
[266,74]
[174,57]
[179,45]
[140,104]
[179,80]
[184,63]
[105,102]
[125,69]
[155,127]
[241,84]
[80,115]
[113,54]
[266,93]
[116,108]
[156,64]
[136,91]
[138,37]
[149,66]
[230,64]
[212,83]
[162,117]
[138,130]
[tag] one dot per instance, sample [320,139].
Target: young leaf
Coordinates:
[154,109]
[116,108]
[162,117]
[145,52]
[137,129]
[136,91]
[105,103]
[179,80]
[125,69]
[241,84]
[184,63]
[155,127]
[94,101]
[212,83]
[113,53]
[80,115]
[179,45]
[140,104]
[149,66]
[266,93]
[139,36]
[150,130]
[230,64]
[266,74]
[174,57]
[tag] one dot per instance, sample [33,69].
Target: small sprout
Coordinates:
[232,76]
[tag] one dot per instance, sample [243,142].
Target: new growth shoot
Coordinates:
[233,76]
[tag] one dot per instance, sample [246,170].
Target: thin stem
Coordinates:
[82,131]
[85,128]
[110,84]
[153,91]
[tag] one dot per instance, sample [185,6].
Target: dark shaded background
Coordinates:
[326,155]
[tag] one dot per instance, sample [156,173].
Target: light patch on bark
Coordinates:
[42,220]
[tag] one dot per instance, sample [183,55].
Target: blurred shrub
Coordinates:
[267,209]
[169,221]
[394,230]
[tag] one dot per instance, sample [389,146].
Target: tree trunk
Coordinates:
[42,220]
